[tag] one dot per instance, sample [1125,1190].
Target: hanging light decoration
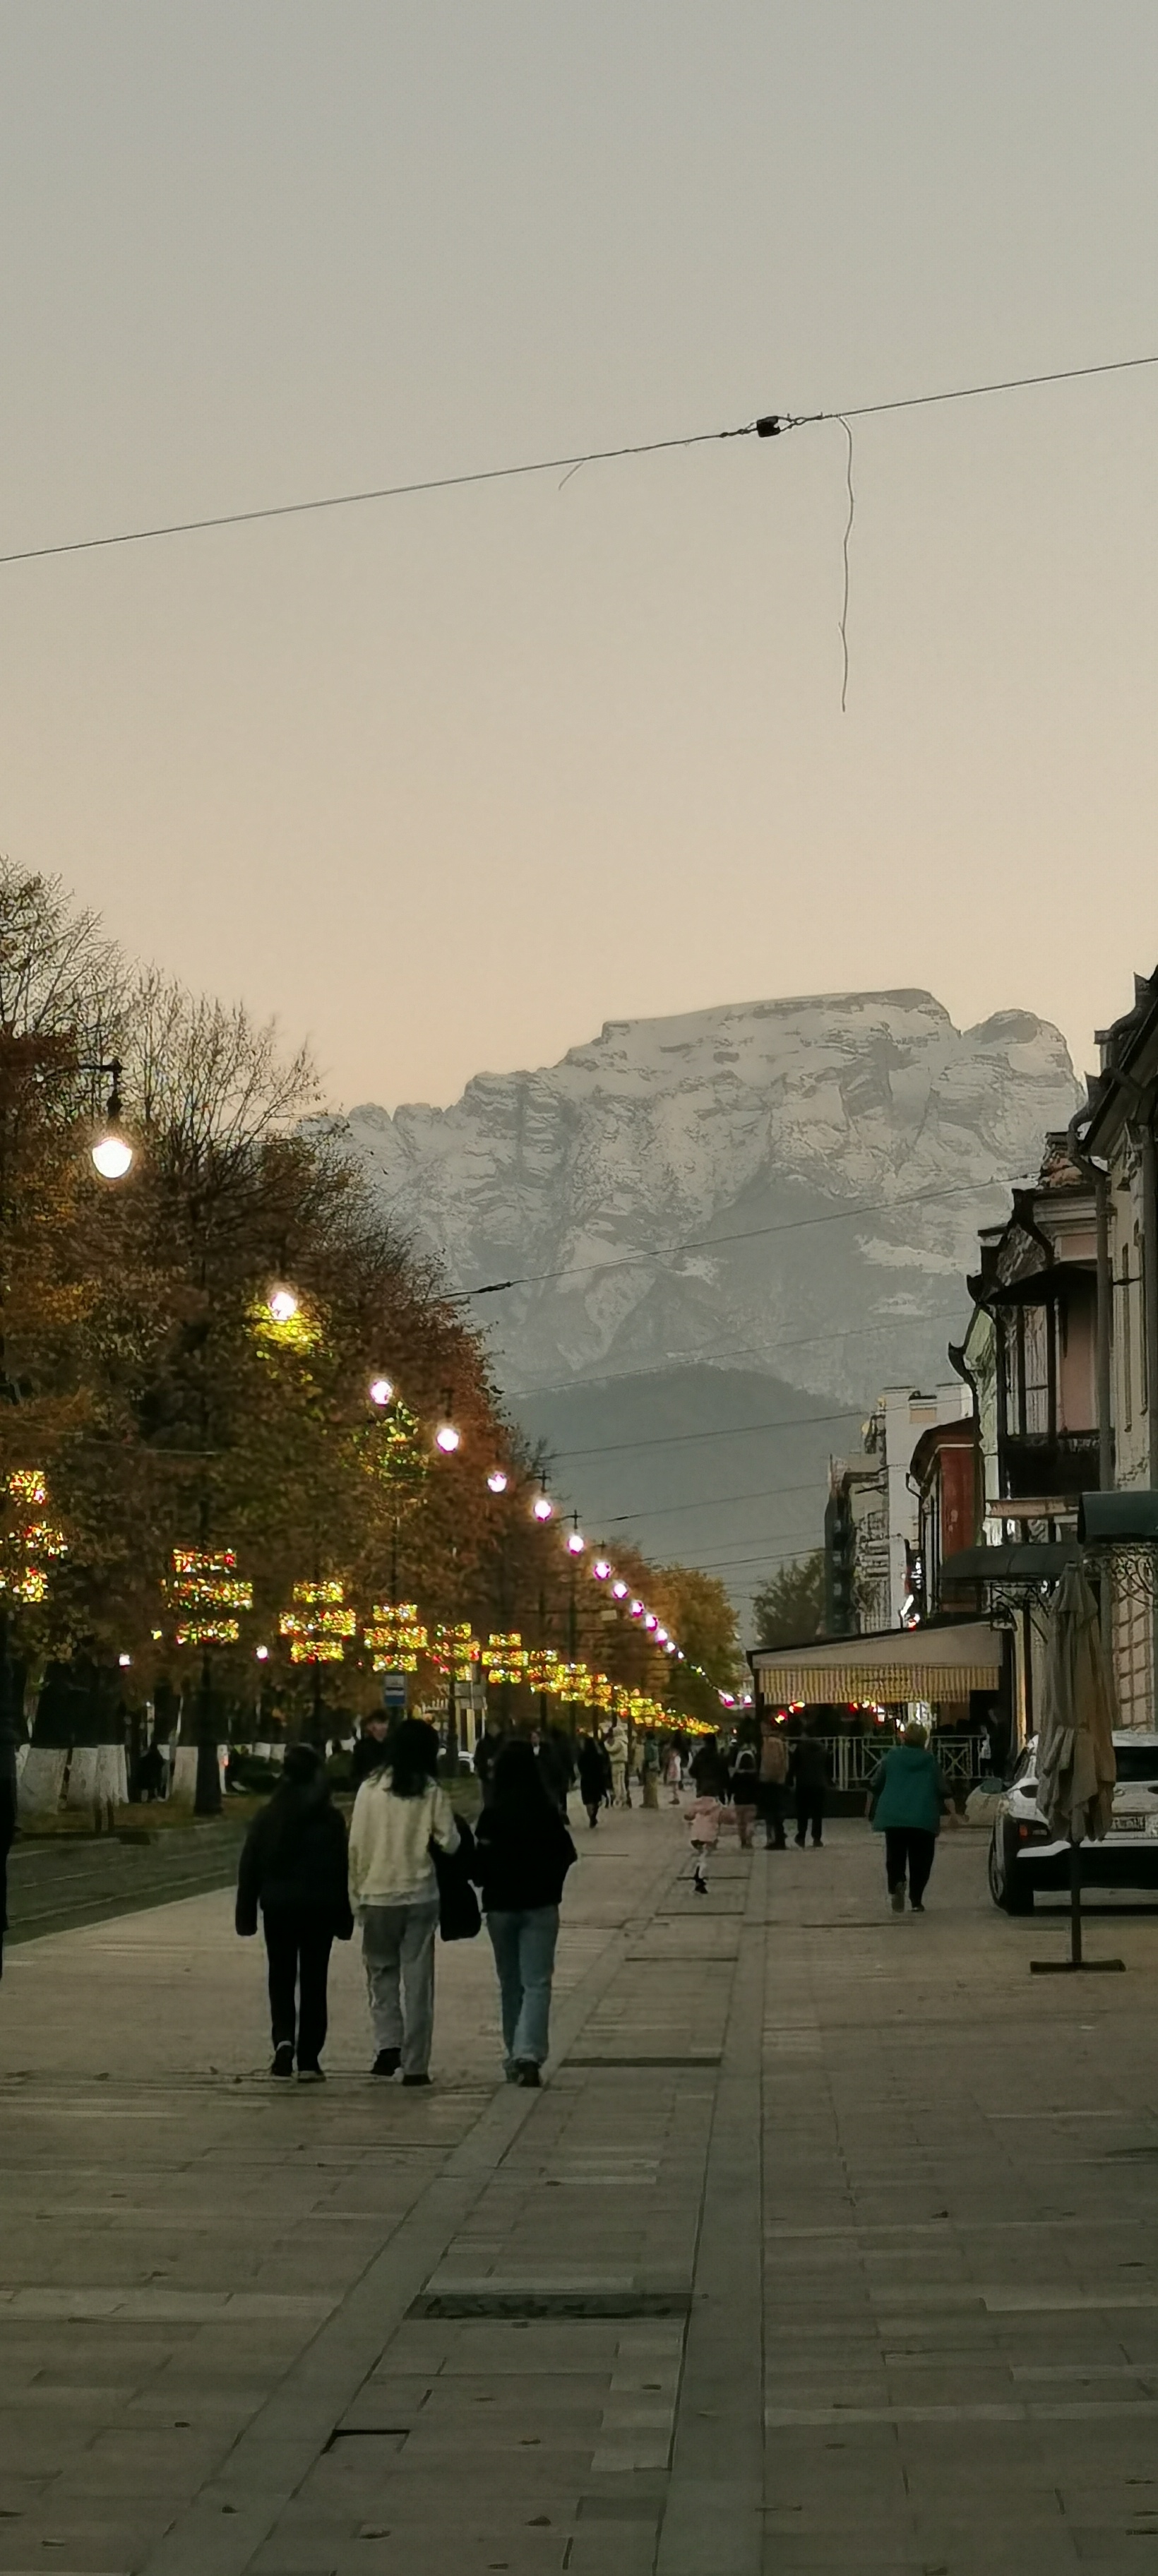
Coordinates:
[283,1304]
[601,1569]
[544,1671]
[575,1542]
[381,1391]
[542,1508]
[498,1480]
[318,1624]
[619,1588]
[396,1635]
[454,1651]
[505,1658]
[206,1590]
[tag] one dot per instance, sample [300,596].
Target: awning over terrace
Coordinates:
[940,1664]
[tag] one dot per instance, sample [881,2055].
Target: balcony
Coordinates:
[1057,1464]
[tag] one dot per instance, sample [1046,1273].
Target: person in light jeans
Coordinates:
[524,1852]
[398,1812]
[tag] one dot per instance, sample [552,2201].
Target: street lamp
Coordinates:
[112,1153]
[446,1437]
[381,1391]
[498,1480]
[542,1508]
[282,1304]
[575,1541]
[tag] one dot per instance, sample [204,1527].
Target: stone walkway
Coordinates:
[828,2247]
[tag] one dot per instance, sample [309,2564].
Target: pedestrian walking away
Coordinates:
[673,1772]
[524,1852]
[293,1869]
[710,1775]
[617,1751]
[808,1775]
[742,1785]
[906,1801]
[398,1813]
[594,1777]
[486,1753]
[773,1773]
[370,1748]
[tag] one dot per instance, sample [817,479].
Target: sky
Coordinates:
[446,782]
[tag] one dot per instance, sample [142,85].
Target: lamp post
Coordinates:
[112,1154]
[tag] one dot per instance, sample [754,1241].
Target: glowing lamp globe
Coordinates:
[283,1305]
[649,1619]
[575,1543]
[601,1569]
[112,1155]
[123,1660]
[262,1654]
[381,1390]
[447,1438]
[542,1507]
[498,1480]
[619,1588]
[636,1610]
[661,1636]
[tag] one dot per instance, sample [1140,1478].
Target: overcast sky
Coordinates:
[449,781]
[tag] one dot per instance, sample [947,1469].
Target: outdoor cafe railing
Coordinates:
[853,1758]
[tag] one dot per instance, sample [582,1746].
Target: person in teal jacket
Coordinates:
[907,1799]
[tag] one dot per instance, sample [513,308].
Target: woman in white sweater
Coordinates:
[398,1812]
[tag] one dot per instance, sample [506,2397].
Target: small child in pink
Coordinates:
[703,1823]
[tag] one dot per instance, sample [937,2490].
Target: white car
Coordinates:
[1024,1856]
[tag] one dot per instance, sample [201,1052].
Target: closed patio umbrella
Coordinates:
[1076,1769]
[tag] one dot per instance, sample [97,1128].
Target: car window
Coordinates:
[1137,1762]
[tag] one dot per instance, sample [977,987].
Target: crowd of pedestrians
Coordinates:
[411,1869]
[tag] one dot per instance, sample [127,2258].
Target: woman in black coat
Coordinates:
[293,1866]
[594,1776]
[522,1856]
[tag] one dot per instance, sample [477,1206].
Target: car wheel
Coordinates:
[1008,1886]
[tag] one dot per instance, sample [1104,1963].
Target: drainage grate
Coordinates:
[709,2057]
[519,2305]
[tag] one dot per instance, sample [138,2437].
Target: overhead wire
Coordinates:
[746,1234]
[768,425]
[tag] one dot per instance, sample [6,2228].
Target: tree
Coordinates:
[789,1608]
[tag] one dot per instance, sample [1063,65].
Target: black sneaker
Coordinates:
[387,2062]
[416,2079]
[310,2075]
[283,2060]
[527,2074]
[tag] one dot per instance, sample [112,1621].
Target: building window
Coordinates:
[1127,1357]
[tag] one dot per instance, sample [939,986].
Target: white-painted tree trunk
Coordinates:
[98,1778]
[40,1780]
[183,1776]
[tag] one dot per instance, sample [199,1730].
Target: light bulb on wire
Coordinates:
[498,1480]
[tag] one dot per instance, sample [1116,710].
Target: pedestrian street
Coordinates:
[828,2245]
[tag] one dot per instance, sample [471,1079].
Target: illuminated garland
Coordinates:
[505,1658]
[318,1624]
[455,1651]
[397,1636]
[204,1589]
[544,1671]
[22,1574]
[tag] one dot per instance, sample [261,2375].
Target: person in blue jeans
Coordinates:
[524,1852]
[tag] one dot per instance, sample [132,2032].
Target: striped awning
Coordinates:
[934,1664]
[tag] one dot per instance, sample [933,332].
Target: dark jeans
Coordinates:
[809,1813]
[909,1847]
[770,1808]
[298,1948]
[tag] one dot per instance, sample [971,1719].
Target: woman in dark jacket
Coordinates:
[523,1856]
[594,1776]
[293,1866]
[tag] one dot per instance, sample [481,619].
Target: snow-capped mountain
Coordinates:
[750,1216]
[738,1137]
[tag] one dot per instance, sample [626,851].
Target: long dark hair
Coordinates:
[411,1755]
[519,1794]
[302,1789]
